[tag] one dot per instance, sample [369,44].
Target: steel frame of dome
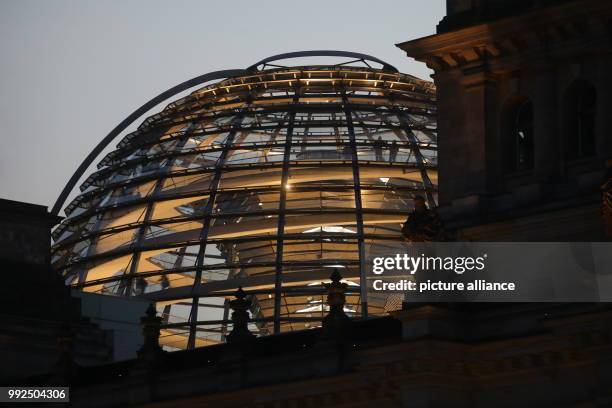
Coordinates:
[266,179]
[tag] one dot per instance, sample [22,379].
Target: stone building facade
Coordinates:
[524,95]
[37,314]
[424,356]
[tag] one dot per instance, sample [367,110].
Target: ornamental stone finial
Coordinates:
[150,350]
[240,317]
[336,325]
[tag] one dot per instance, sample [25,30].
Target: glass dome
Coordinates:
[268,181]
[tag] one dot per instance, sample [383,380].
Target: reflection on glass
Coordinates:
[288,172]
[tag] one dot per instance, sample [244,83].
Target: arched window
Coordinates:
[580,103]
[517,132]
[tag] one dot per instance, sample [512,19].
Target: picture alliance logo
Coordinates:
[411,264]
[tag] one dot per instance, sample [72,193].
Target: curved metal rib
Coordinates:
[184,86]
[323,53]
[130,119]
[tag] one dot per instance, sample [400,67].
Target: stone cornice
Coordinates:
[538,30]
[379,382]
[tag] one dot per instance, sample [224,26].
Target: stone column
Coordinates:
[451,141]
[603,126]
[547,135]
[477,140]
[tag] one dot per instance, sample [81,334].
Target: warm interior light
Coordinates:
[216,137]
[331,228]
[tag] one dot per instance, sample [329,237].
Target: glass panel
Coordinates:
[250,178]
[179,208]
[108,268]
[114,241]
[120,217]
[176,185]
[191,170]
[129,193]
[245,201]
[386,198]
